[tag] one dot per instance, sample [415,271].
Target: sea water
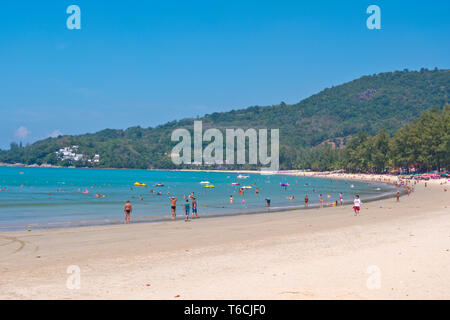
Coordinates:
[57,197]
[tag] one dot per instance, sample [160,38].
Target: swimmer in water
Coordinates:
[231,199]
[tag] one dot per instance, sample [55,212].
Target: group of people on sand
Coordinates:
[187,207]
[321,201]
[173,205]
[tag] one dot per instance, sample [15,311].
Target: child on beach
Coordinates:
[357,205]
[187,206]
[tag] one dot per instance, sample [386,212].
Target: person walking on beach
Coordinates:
[357,205]
[341,199]
[127,211]
[194,207]
[306,201]
[398,196]
[267,202]
[173,202]
[321,200]
[187,207]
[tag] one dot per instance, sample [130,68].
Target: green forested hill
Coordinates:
[382,101]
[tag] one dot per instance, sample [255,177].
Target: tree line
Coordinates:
[423,144]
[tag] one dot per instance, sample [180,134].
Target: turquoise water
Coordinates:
[53,197]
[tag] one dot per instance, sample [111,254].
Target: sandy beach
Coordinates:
[393,250]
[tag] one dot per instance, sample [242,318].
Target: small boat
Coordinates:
[159,185]
[138,184]
[204,182]
[235,184]
[246,187]
[241,177]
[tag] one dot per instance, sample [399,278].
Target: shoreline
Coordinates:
[299,254]
[21,165]
[263,210]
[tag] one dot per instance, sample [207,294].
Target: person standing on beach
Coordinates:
[267,202]
[187,207]
[398,196]
[341,199]
[306,201]
[173,202]
[127,211]
[321,200]
[194,207]
[357,205]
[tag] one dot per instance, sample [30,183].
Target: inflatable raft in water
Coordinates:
[138,184]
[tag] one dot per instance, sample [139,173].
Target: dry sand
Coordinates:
[392,251]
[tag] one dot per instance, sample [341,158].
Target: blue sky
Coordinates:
[148,62]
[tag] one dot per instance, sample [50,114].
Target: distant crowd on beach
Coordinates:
[406,184]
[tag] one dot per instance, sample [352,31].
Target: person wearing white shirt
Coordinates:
[357,205]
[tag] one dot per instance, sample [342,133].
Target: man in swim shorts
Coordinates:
[173,202]
[194,207]
[127,211]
